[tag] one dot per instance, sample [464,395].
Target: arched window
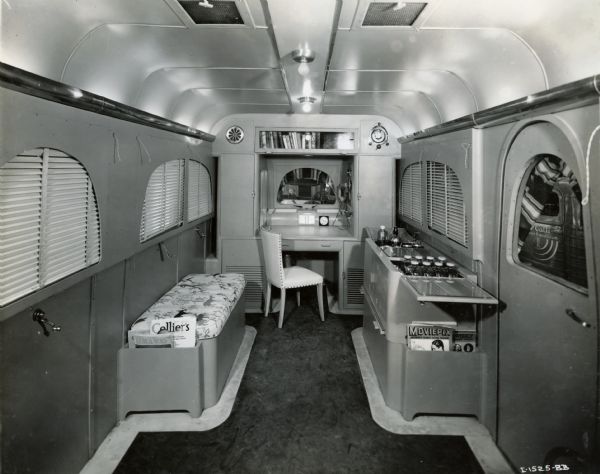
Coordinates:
[445,203]
[163,203]
[412,195]
[199,191]
[550,233]
[306,186]
[49,226]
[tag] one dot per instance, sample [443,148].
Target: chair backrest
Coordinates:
[271,244]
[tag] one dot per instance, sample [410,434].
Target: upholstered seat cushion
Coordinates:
[208,297]
[296,277]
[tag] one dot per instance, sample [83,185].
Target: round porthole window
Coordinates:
[234,134]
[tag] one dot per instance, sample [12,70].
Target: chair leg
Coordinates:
[298,297]
[282,309]
[320,299]
[268,300]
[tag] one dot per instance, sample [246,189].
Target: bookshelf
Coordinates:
[306,141]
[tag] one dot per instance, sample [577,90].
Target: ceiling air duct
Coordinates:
[212,12]
[392,13]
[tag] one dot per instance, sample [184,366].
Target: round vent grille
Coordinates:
[234,134]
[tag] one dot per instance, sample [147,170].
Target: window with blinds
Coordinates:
[49,222]
[199,191]
[411,193]
[445,203]
[163,203]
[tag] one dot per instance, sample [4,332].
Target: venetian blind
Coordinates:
[445,203]
[49,222]
[199,191]
[163,203]
[411,205]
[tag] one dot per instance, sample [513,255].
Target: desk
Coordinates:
[310,241]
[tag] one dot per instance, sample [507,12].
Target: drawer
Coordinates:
[312,245]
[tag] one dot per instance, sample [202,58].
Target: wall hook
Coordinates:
[40,317]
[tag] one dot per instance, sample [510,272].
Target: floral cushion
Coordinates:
[210,298]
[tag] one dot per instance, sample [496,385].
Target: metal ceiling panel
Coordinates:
[38,36]
[402,118]
[486,61]
[564,35]
[162,88]
[144,49]
[190,102]
[208,117]
[413,110]
[304,25]
[450,95]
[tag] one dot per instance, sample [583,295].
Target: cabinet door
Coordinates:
[236,195]
[375,191]
[352,276]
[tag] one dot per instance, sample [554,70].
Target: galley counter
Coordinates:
[418,382]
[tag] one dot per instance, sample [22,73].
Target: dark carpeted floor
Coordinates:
[301,408]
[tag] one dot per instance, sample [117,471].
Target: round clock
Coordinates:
[324,220]
[379,134]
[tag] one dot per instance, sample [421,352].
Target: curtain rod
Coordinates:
[570,95]
[14,78]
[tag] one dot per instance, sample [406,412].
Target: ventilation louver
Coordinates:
[221,13]
[392,13]
[234,135]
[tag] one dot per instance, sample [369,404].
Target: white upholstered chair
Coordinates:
[286,278]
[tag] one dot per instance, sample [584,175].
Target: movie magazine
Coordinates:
[430,336]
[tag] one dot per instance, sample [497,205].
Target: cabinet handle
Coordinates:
[325,245]
[576,318]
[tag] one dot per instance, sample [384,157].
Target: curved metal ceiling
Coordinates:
[460,57]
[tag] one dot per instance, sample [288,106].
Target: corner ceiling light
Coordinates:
[205,4]
[307,103]
[304,57]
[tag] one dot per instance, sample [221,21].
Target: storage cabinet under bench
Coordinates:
[186,378]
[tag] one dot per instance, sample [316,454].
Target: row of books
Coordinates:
[440,336]
[290,140]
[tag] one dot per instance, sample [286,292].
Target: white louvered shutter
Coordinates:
[445,203]
[20,222]
[199,191]
[411,205]
[49,225]
[163,204]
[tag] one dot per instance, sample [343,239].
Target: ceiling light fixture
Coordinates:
[304,57]
[307,103]
[205,4]
[399,6]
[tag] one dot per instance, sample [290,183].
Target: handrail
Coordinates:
[577,93]
[14,78]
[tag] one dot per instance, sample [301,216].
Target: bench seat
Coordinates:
[190,379]
[210,298]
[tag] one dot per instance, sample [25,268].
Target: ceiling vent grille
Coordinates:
[221,13]
[392,13]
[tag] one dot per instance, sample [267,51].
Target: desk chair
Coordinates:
[286,278]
